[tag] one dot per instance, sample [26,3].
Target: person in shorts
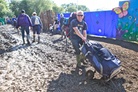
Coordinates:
[37,26]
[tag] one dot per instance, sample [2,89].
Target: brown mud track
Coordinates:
[50,67]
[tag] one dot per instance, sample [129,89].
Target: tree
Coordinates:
[14,6]
[57,9]
[27,6]
[71,7]
[42,5]
[4,3]
[4,9]
[83,8]
[31,6]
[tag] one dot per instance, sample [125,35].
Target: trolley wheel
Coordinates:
[90,74]
[103,81]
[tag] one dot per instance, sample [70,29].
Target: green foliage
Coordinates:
[71,7]
[30,6]
[14,6]
[26,5]
[57,9]
[9,13]
[4,3]
[43,5]
[83,8]
[3,8]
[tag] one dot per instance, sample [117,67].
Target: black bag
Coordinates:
[102,59]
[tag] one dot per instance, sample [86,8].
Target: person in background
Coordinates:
[37,26]
[24,22]
[51,28]
[61,24]
[14,21]
[78,34]
[8,20]
[72,16]
[55,25]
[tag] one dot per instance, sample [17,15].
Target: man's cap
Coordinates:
[34,13]
[61,15]
[23,11]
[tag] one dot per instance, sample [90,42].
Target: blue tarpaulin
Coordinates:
[100,23]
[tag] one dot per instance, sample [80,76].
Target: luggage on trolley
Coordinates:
[103,61]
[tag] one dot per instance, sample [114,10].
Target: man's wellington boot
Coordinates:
[38,39]
[23,41]
[78,61]
[83,59]
[28,42]
[33,38]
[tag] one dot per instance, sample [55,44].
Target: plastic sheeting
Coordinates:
[100,23]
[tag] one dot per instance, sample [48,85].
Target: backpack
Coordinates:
[37,22]
[68,24]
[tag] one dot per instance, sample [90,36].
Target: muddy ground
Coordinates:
[50,67]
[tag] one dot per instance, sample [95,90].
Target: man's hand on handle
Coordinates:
[84,39]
